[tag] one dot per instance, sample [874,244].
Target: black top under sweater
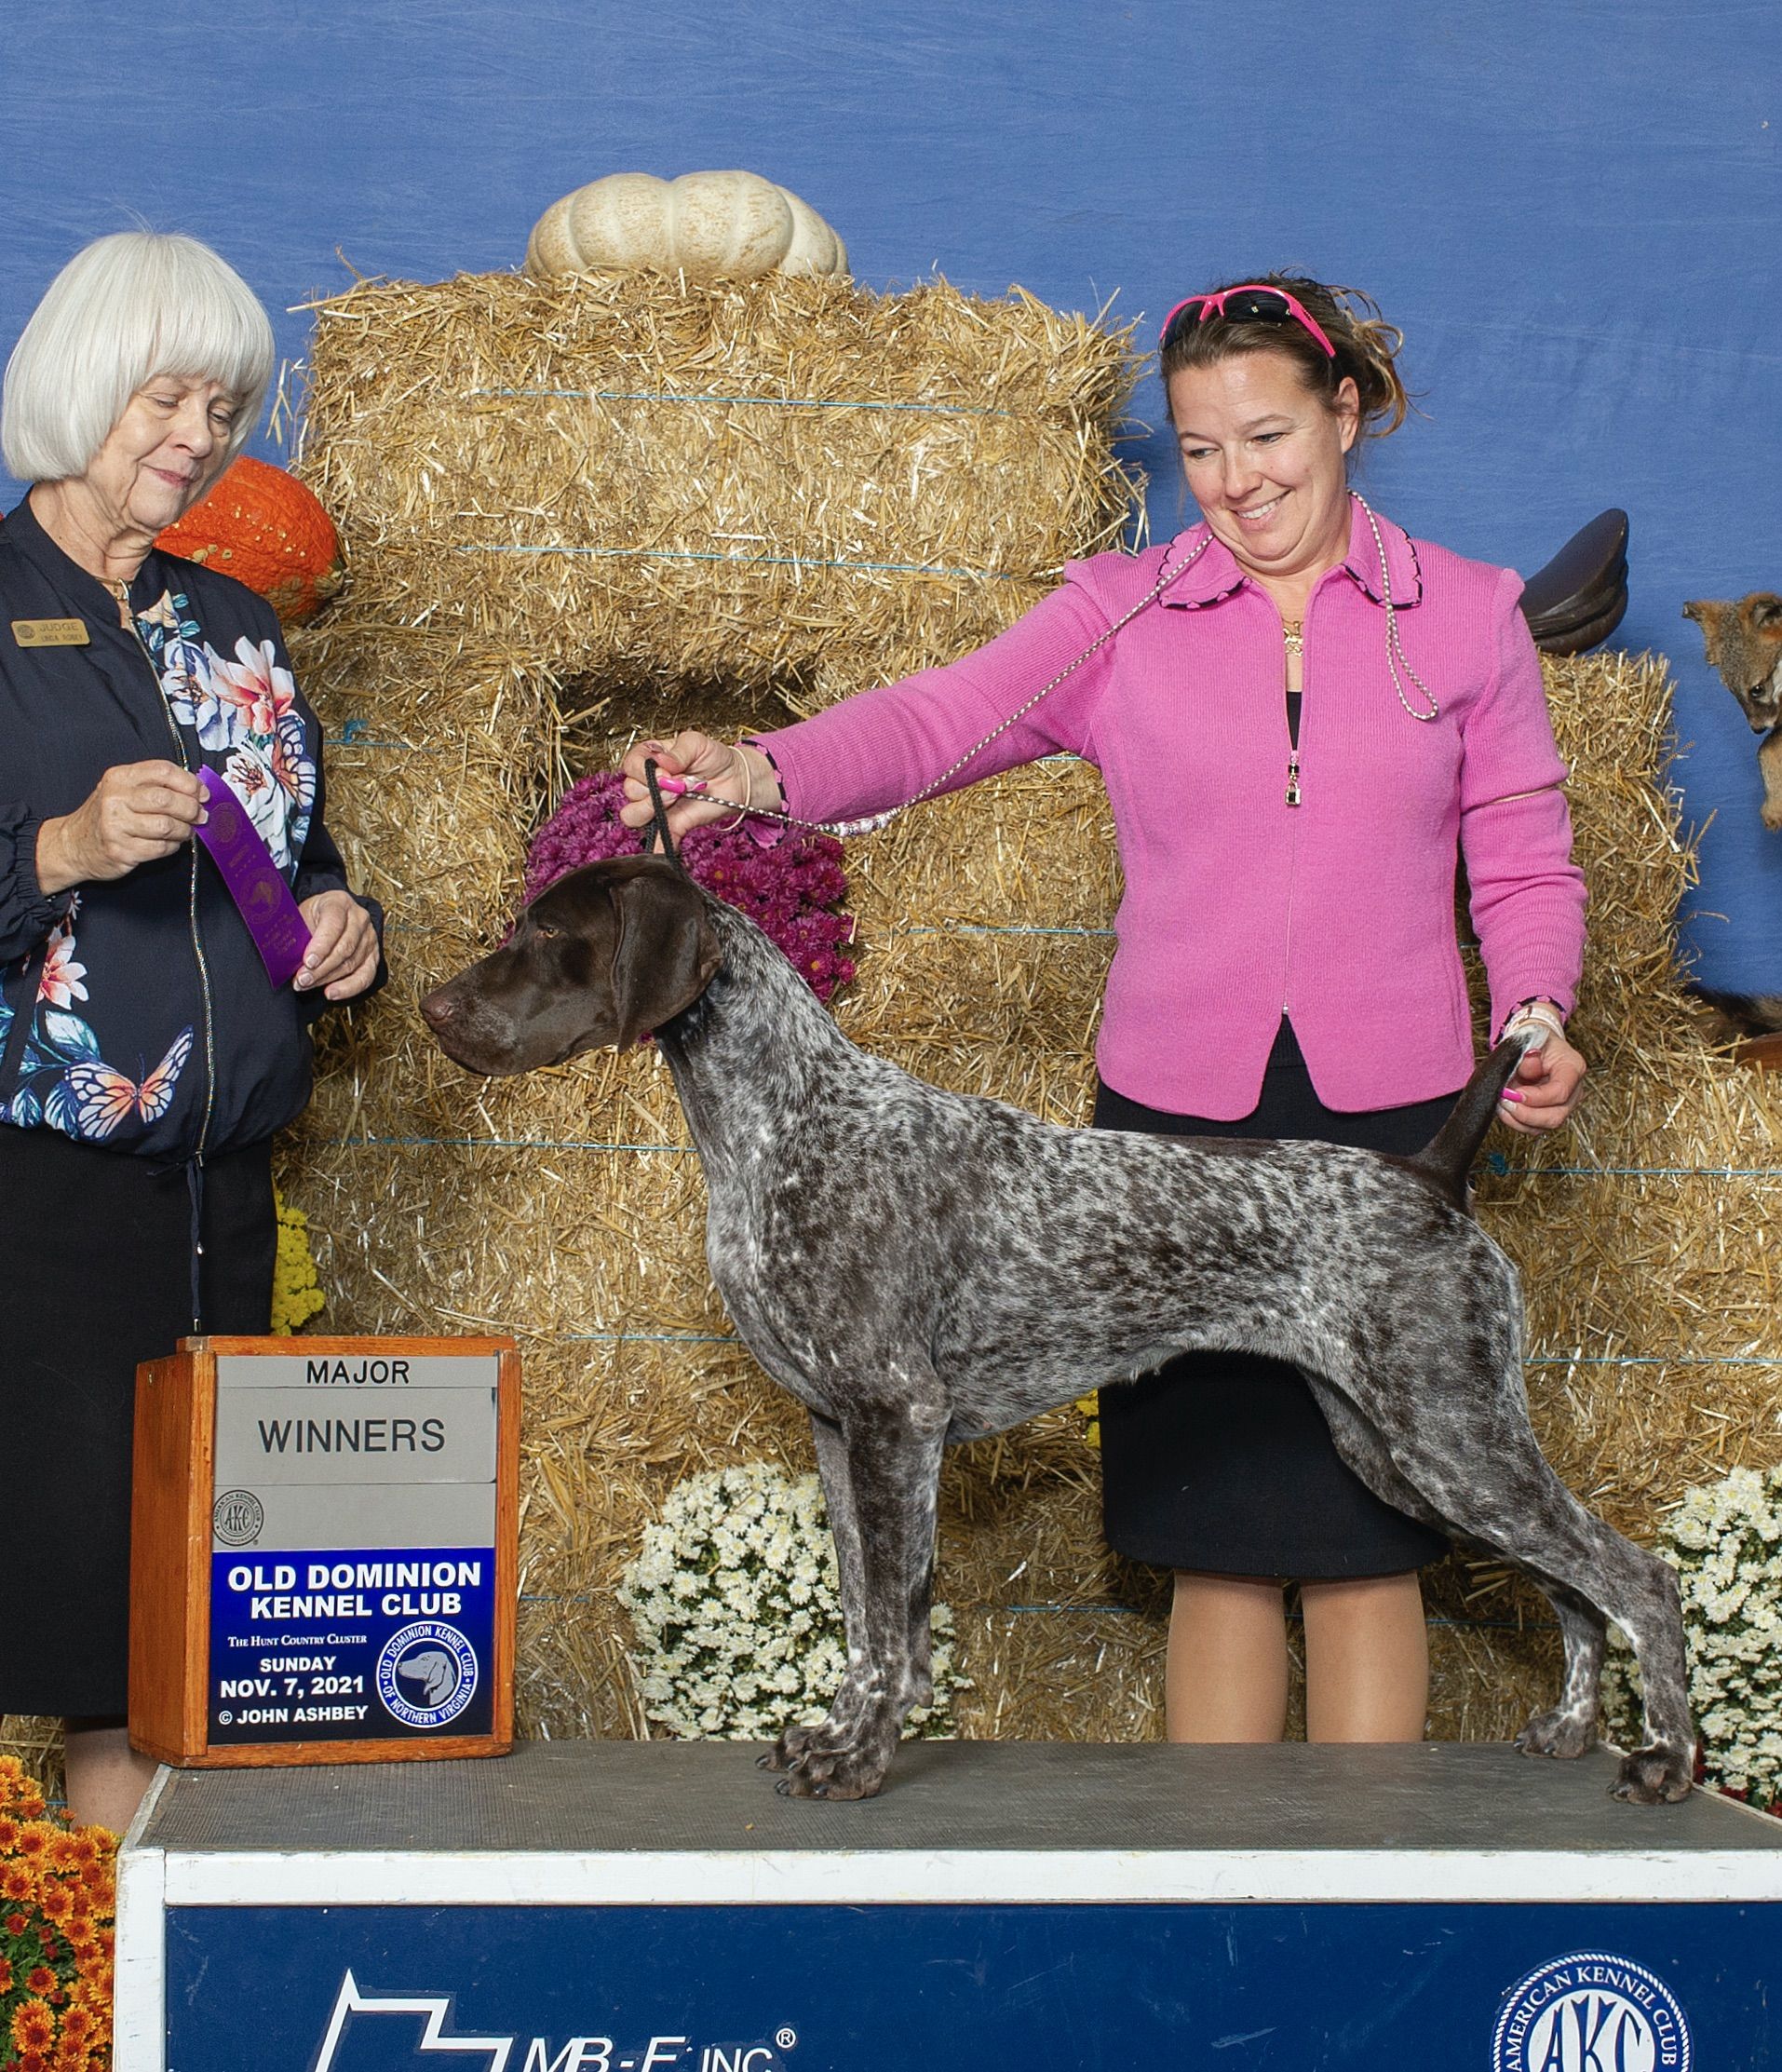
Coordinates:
[1222,1462]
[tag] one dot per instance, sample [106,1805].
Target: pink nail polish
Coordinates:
[1510,1094]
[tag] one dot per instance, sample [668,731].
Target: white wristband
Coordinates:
[1543,1016]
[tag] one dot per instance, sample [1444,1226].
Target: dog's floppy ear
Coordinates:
[666,952]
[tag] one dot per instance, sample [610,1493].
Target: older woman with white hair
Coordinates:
[152,1035]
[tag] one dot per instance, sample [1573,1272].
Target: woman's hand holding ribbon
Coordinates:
[136,814]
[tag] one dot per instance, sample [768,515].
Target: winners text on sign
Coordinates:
[324,1562]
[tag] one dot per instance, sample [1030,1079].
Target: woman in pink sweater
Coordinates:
[1303,719]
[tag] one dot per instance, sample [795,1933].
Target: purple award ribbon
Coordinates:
[255,882]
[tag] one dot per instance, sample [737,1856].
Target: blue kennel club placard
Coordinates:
[353,1551]
[349,1643]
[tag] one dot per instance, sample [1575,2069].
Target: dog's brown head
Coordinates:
[604,956]
[1744,642]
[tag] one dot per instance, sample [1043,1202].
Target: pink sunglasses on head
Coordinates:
[1254,301]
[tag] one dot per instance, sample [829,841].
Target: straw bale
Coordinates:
[37,1744]
[440,759]
[793,486]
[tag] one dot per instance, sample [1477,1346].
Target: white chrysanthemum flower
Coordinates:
[734,1603]
[1718,1538]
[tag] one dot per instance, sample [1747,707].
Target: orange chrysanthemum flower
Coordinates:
[17,1882]
[34,1838]
[19,1793]
[16,1924]
[33,2027]
[40,1979]
[10,1830]
[57,1903]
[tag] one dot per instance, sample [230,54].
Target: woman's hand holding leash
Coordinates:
[714,779]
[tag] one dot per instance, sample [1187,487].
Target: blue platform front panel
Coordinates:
[973,1988]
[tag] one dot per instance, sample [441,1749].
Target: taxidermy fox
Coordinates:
[1744,642]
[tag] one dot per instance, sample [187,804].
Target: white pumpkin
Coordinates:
[708,225]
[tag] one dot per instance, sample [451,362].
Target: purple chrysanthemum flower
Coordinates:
[789,891]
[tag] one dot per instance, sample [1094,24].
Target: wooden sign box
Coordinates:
[325,1550]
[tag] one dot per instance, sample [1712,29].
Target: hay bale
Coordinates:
[791,486]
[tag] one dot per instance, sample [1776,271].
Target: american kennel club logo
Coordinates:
[387,2032]
[1591,2011]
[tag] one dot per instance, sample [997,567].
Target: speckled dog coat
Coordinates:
[896,1256]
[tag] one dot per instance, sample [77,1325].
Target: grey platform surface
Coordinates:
[605,1797]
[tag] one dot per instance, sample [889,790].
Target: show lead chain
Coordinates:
[681,787]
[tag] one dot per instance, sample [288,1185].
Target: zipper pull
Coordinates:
[1293,776]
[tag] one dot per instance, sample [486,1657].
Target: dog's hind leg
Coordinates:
[890,1460]
[1570,1726]
[1477,1466]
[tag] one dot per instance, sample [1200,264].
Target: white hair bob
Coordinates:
[123,309]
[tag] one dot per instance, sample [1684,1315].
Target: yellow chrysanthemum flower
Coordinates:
[296,1297]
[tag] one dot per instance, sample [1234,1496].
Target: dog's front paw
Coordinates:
[1556,1733]
[789,1749]
[856,1772]
[837,1758]
[1658,1774]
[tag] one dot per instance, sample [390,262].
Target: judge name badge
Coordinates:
[50,632]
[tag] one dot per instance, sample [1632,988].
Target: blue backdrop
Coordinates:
[1573,209]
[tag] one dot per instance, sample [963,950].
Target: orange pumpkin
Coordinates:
[265,528]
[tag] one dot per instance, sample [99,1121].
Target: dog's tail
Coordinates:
[1447,1158]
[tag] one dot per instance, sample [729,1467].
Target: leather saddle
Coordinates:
[1579,598]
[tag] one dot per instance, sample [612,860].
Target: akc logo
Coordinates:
[1591,2011]
[237,1517]
[427,1673]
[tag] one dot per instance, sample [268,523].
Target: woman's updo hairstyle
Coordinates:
[1366,346]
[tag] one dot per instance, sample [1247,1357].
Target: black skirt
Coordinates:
[1221,1461]
[95,1276]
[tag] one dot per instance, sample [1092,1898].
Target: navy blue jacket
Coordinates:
[153,1028]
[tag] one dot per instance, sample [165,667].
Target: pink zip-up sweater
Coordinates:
[1238,907]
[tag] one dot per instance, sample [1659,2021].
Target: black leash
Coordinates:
[657,834]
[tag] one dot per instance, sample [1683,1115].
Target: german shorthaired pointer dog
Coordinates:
[897,1257]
